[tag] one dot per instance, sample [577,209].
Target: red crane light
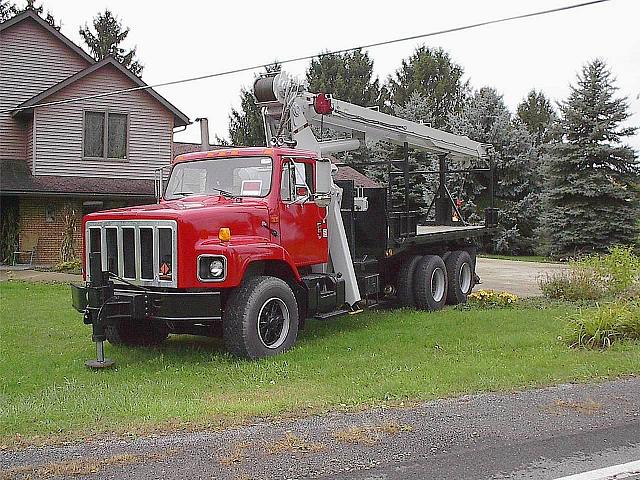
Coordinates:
[322,104]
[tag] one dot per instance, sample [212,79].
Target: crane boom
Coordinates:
[287,102]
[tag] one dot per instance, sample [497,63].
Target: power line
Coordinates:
[309,57]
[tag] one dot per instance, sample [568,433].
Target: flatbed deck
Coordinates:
[429,234]
[435,229]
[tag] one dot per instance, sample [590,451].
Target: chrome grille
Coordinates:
[143,252]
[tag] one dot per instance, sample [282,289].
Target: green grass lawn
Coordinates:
[520,258]
[367,359]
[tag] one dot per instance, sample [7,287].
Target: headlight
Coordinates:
[212,268]
[216,268]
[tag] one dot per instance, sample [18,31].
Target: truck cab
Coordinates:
[227,219]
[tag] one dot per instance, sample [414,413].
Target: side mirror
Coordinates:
[323,176]
[324,182]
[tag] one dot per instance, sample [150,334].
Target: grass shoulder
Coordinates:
[370,359]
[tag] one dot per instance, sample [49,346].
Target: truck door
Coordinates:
[303,225]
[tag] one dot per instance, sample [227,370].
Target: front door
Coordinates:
[303,225]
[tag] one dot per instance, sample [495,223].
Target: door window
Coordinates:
[295,174]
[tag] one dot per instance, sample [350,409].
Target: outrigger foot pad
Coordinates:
[97,364]
[100,361]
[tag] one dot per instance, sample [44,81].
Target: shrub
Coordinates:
[601,326]
[572,284]
[72,266]
[616,274]
[492,299]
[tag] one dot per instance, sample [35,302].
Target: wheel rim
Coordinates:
[465,277]
[437,284]
[273,323]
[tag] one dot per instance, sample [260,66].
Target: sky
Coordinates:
[178,40]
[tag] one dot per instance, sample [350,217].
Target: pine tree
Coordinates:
[538,115]
[347,76]
[486,118]
[591,199]
[9,9]
[432,74]
[109,34]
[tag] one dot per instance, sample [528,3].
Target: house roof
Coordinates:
[180,119]
[16,179]
[30,14]
[346,172]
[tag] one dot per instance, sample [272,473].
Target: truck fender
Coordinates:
[249,255]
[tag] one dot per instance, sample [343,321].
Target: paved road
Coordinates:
[520,278]
[535,434]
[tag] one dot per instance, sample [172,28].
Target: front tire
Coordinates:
[430,283]
[260,318]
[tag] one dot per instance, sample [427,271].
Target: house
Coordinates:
[63,160]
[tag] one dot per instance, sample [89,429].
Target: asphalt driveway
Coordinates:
[520,278]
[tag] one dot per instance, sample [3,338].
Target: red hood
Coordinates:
[206,214]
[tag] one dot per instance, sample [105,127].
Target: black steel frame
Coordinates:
[443,201]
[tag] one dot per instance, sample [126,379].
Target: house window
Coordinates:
[105,135]
[50,213]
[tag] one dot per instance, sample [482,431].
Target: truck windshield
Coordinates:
[232,176]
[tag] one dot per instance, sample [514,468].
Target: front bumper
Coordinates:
[129,304]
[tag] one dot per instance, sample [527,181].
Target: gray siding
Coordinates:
[59,130]
[31,60]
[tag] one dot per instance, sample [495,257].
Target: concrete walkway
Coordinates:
[37,276]
[520,278]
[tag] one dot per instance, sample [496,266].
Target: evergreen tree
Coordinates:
[246,127]
[109,35]
[432,74]
[537,113]
[9,9]
[591,200]
[347,76]
[486,118]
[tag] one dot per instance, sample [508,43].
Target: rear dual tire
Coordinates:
[460,272]
[428,282]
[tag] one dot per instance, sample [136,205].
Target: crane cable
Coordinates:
[310,57]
